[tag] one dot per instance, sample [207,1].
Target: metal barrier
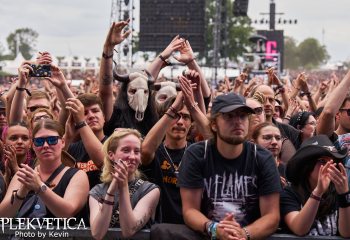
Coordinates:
[113,233]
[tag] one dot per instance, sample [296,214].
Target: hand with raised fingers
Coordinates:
[44,58]
[186,53]
[187,91]
[76,108]
[323,179]
[29,178]
[10,157]
[120,173]
[23,73]
[339,177]
[117,33]
[57,77]
[173,46]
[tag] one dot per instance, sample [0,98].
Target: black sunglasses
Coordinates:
[51,140]
[345,109]
[33,108]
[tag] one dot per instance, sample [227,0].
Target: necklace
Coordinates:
[175,169]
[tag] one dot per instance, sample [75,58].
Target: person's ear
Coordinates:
[213,126]
[110,155]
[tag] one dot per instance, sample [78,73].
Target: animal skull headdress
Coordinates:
[137,91]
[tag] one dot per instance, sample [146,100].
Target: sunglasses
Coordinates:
[33,108]
[51,140]
[345,109]
[258,110]
[3,112]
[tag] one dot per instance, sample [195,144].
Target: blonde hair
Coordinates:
[111,145]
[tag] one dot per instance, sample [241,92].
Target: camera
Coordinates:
[40,70]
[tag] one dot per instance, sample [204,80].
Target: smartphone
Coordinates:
[40,70]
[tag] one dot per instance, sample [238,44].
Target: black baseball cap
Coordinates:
[228,102]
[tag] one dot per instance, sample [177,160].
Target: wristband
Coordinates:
[15,195]
[105,56]
[164,60]
[79,125]
[173,109]
[344,200]
[24,89]
[104,201]
[109,194]
[193,105]
[317,198]
[246,233]
[213,230]
[190,61]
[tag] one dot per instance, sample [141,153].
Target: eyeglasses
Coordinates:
[51,140]
[311,123]
[38,118]
[345,109]
[235,115]
[33,108]
[269,137]
[258,110]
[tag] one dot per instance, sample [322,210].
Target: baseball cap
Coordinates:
[228,102]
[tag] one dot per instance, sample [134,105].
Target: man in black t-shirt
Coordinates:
[229,179]
[87,119]
[161,159]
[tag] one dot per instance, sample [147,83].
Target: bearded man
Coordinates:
[230,187]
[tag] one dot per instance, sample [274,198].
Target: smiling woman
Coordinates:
[123,199]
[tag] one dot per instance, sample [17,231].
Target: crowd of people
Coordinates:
[127,151]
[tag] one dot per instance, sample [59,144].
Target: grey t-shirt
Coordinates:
[137,188]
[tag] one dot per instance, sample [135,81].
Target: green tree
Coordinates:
[27,42]
[291,59]
[235,32]
[311,54]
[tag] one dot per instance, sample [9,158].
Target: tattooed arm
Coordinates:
[115,36]
[132,220]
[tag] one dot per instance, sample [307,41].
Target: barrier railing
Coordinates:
[113,233]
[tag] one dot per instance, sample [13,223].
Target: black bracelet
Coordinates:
[165,61]
[23,89]
[169,115]
[15,195]
[109,194]
[344,200]
[79,125]
[105,56]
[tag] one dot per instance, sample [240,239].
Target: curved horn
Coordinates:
[149,76]
[118,77]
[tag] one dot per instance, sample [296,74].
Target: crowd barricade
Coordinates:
[115,234]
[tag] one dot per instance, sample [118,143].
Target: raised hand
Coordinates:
[116,34]
[339,178]
[174,45]
[23,73]
[187,92]
[323,179]
[120,173]
[44,58]
[57,77]
[76,109]
[10,157]
[186,53]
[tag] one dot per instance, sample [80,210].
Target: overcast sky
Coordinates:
[79,27]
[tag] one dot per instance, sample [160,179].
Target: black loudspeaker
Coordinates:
[162,20]
[240,8]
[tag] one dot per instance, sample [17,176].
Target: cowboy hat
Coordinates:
[310,150]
